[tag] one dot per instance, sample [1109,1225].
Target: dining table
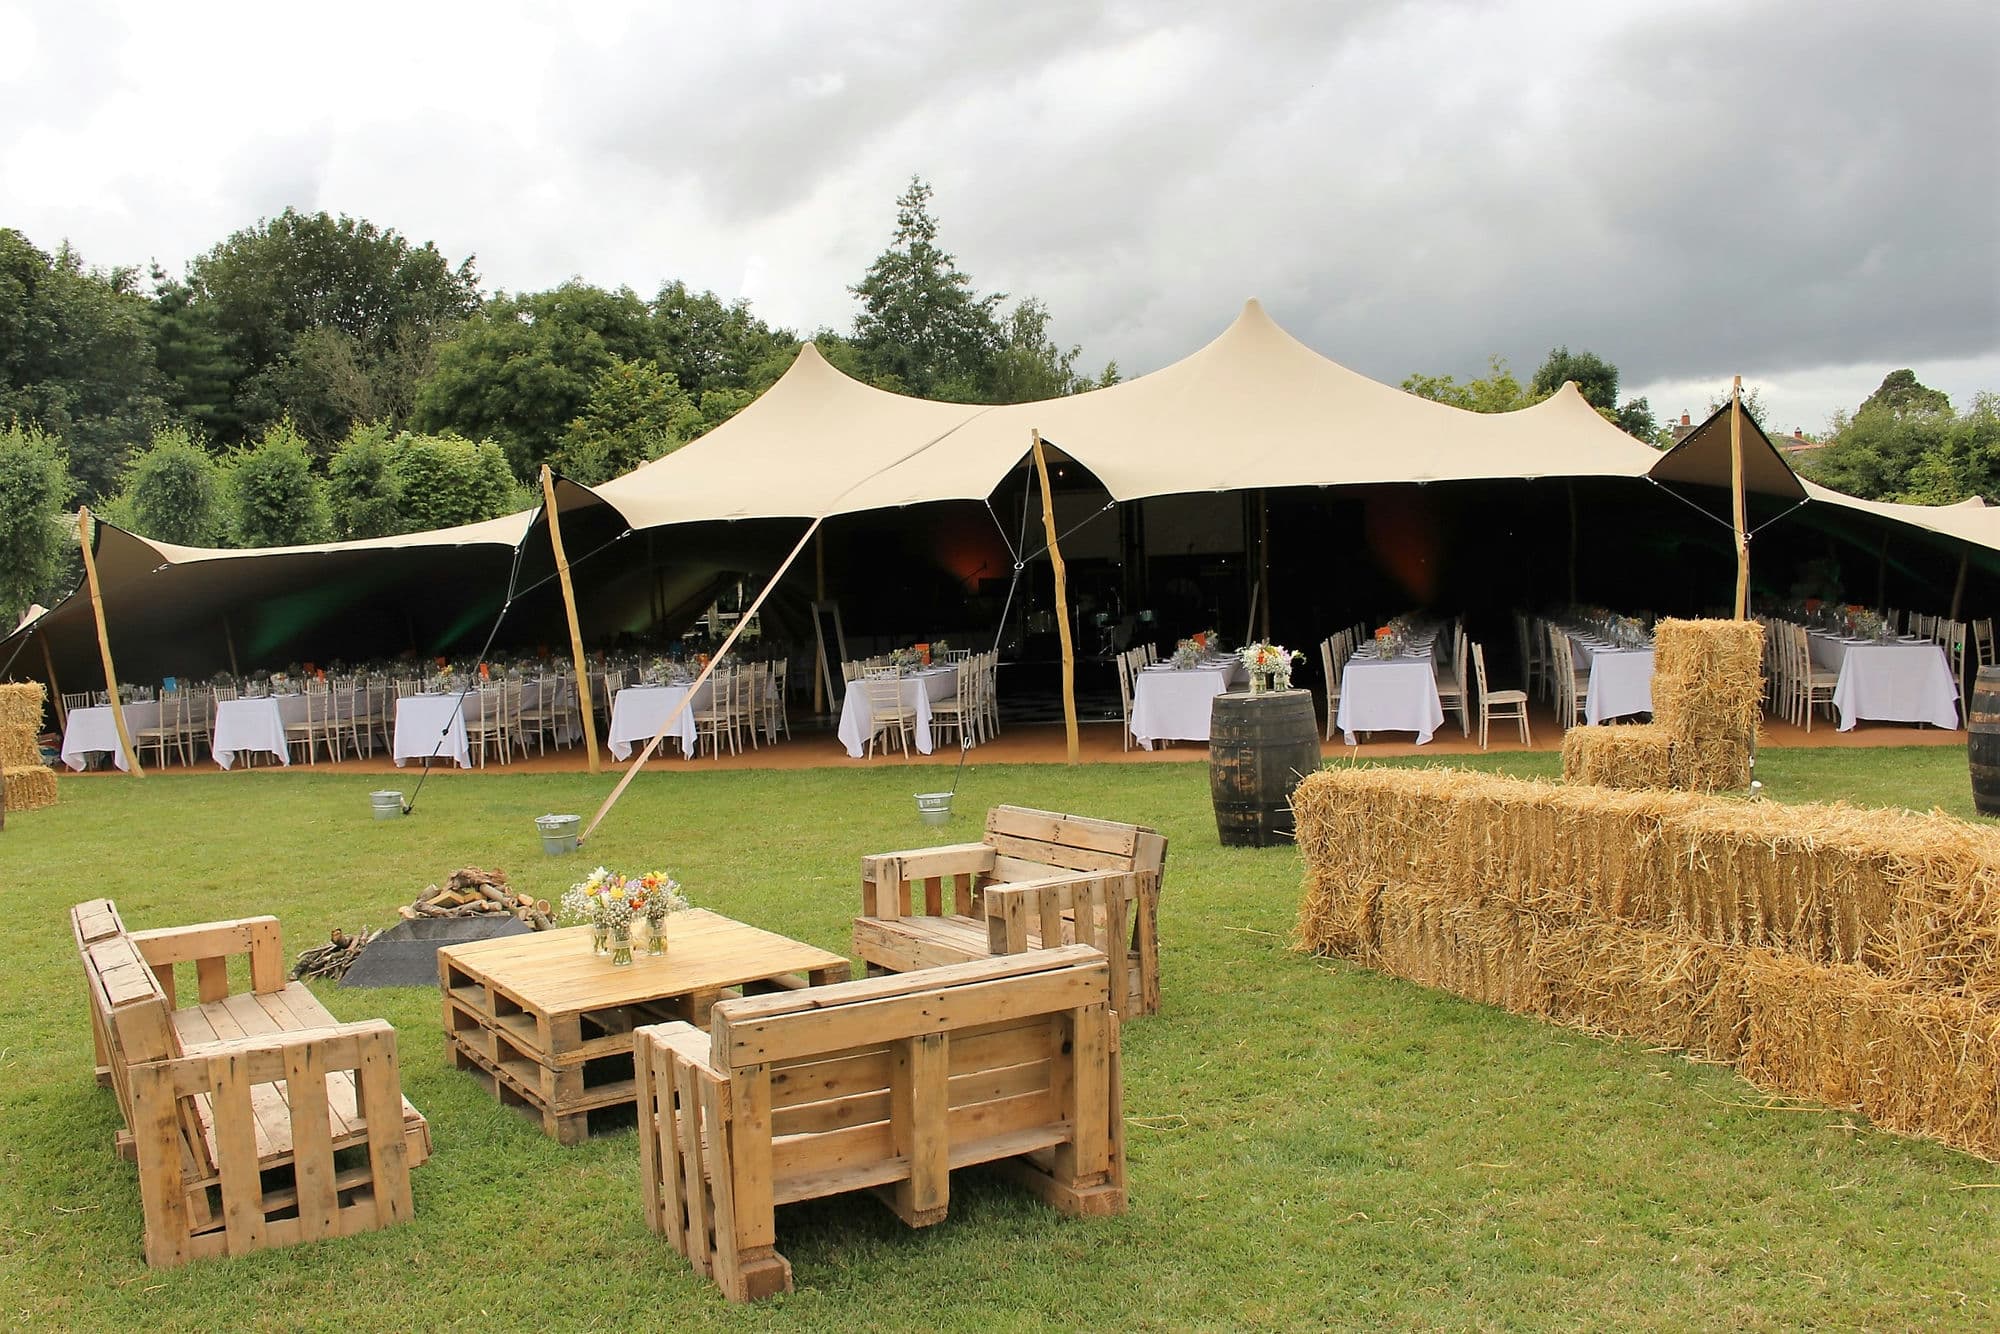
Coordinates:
[1904,680]
[637,713]
[423,720]
[1621,676]
[93,730]
[256,724]
[1381,693]
[1171,703]
[918,690]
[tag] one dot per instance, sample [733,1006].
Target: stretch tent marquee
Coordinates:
[1255,408]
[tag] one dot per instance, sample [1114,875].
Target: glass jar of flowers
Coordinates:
[1270,666]
[599,900]
[656,896]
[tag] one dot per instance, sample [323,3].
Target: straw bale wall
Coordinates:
[18,749]
[28,788]
[21,707]
[1846,955]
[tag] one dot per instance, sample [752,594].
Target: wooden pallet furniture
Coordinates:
[547,1025]
[255,1118]
[883,1084]
[932,906]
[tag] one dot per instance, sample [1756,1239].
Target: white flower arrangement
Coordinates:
[1274,659]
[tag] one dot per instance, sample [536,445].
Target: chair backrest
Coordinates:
[1479,670]
[885,693]
[1027,841]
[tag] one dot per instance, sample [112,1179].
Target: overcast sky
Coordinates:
[1806,193]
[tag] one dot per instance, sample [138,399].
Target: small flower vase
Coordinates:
[621,947]
[600,938]
[1260,681]
[656,939]
[1281,679]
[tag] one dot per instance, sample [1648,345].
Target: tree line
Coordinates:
[319,377]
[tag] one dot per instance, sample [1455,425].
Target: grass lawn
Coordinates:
[1310,1144]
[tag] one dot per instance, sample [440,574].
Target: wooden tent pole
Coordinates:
[1264,564]
[1569,488]
[674,716]
[1882,574]
[1737,515]
[229,642]
[104,644]
[55,688]
[819,596]
[1958,589]
[1062,601]
[585,708]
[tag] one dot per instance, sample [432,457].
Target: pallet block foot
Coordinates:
[1097,1201]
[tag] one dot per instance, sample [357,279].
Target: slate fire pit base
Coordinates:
[406,954]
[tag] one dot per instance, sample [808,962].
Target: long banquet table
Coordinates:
[1396,694]
[1908,681]
[638,711]
[420,719]
[1172,703]
[255,724]
[1621,679]
[919,690]
[93,730]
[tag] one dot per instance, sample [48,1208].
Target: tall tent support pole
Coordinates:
[1958,589]
[104,644]
[229,642]
[1062,601]
[1736,499]
[1882,573]
[639,761]
[1264,564]
[55,689]
[585,707]
[819,596]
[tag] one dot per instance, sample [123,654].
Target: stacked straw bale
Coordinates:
[1830,952]
[1708,690]
[25,782]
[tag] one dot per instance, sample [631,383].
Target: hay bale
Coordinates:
[18,748]
[21,707]
[28,787]
[1626,757]
[1708,679]
[1709,766]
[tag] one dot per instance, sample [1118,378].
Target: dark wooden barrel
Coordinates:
[1982,741]
[1259,746]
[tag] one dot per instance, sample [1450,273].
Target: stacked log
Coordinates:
[471,892]
[333,959]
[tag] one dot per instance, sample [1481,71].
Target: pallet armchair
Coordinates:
[255,1119]
[932,906]
[883,1084]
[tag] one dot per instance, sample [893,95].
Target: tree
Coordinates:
[198,374]
[635,413]
[1596,379]
[267,285]
[522,369]
[921,328]
[1901,393]
[174,491]
[1027,365]
[448,480]
[75,357]
[1915,453]
[278,501]
[1498,391]
[705,344]
[364,491]
[34,489]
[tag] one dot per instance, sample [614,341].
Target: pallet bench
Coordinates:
[932,906]
[255,1118]
[883,1084]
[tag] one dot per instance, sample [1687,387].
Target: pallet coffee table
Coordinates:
[548,1025]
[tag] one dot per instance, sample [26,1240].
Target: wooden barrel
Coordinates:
[1259,746]
[1982,741]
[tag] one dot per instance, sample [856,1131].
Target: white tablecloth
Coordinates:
[919,690]
[1898,683]
[94,729]
[1171,704]
[255,724]
[419,719]
[638,711]
[1396,695]
[1621,679]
